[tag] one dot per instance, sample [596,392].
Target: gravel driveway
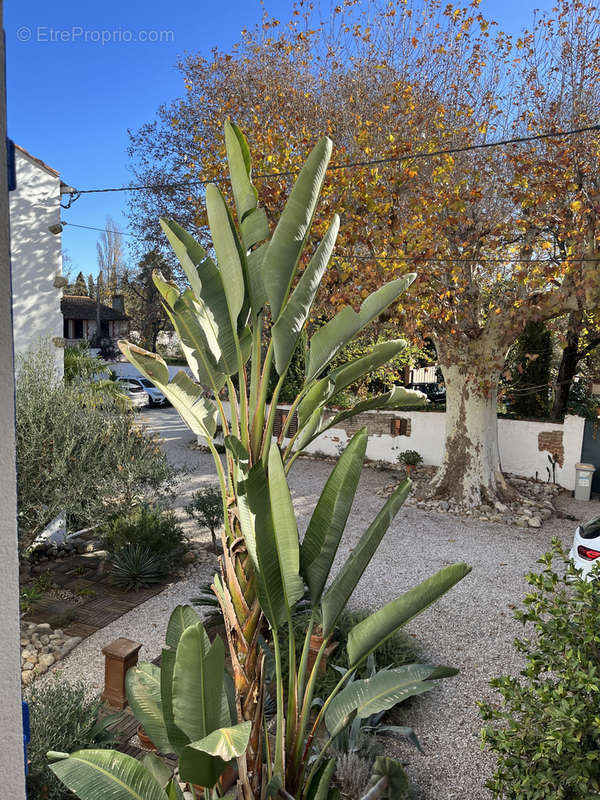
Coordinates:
[471,628]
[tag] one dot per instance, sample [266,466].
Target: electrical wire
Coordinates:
[351,164]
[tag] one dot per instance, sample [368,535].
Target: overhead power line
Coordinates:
[373,162]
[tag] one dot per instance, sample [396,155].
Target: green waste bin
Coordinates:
[583,481]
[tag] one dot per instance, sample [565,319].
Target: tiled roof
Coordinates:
[75,307]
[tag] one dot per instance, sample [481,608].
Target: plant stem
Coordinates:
[278,767]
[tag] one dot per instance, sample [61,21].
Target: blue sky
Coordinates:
[71,98]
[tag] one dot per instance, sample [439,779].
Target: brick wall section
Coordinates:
[552,442]
[376,424]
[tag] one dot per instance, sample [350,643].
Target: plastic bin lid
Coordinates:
[585,467]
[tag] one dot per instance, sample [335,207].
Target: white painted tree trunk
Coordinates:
[471,473]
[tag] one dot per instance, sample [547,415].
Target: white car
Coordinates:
[586,547]
[156,397]
[135,392]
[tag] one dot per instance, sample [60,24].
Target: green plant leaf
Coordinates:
[380,693]
[174,790]
[269,529]
[328,521]
[99,774]
[198,683]
[372,632]
[237,450]
[229,252]
[287,242]
[143,693]
[397,786]
[322,792]
[207,285]
[177,737]
[204,761]
[158,768]
[292,319]
[335,599]
[335,334]
[199,413]
[240,171]
[182,617]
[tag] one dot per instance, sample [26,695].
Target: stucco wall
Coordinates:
[524,444]
[11,730]
[36,257]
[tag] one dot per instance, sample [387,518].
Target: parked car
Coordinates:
[156,397]
[436,392]
[135,392]
[586,546]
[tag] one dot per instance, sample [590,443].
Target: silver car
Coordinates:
[157,398]
[135,392]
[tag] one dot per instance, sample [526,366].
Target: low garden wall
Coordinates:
[524,444]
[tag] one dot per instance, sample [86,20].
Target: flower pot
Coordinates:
[145,740]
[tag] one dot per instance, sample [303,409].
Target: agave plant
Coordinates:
[250,295]
[136,567]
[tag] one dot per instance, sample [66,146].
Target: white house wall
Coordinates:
[36,257]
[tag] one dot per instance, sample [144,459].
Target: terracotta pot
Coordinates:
[145,740]
[316,642]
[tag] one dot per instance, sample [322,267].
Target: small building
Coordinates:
[36,254]
[80,317]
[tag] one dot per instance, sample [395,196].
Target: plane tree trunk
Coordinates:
[471,472]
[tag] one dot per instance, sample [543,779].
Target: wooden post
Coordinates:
[119,656]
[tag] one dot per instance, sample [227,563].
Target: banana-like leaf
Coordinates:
[230,256]
[204,761]
[177,737]
[240,171]
[237,450]
[142,684]
[286,244]
[199,413]
[381,692]
[328,521]
[182,617]
[158,768]
[397,782]
[336,333]
[269,527]
[335,599]
[174,790]
[310,430]
[340,378]
[255,228]
[207,285]
[99,774]
[198,683]
[372,632]
[322,792]
[293,317]
[168,289]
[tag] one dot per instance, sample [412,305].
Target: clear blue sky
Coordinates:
[71,100]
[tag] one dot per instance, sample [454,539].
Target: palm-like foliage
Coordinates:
[223,320]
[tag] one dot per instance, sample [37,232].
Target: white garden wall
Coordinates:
[36,256]
[524,444]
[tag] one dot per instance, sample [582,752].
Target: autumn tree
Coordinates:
[499,237]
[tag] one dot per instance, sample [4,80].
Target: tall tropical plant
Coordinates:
[252,294]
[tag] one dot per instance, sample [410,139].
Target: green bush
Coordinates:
[410,458]
[92,461]
[206,508]
[148,526]
[546,732]
[63,717]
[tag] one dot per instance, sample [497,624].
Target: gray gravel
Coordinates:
[471,628]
